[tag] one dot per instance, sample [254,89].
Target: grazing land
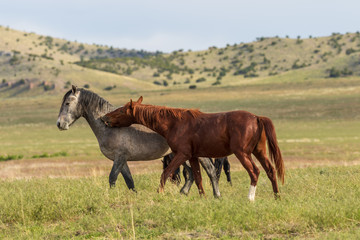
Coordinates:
[320,202]
[317,130]
[54,184]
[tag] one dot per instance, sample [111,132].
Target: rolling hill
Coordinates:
[32,64]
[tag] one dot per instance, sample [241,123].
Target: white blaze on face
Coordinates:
[252,191]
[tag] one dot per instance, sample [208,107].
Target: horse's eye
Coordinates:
[67,104]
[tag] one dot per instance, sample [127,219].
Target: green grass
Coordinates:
[315,202]
[317,123]
[10,157]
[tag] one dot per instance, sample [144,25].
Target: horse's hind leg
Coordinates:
[218,166]
[118,164]
[125,172]
[209,167]
[253,171]
[175,177]
[260,154]
[226,165]
[173,165]
[189,179]
[195,166]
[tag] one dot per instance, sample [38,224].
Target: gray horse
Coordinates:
[134,143]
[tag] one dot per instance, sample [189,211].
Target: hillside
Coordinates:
[334,56]
[31,64]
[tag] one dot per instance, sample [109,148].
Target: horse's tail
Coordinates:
[274,150]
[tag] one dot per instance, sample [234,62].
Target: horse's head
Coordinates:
[123,116]
[69,110]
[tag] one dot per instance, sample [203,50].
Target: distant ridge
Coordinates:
[32,64]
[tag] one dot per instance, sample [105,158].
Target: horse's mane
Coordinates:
[153,114]
[90,100]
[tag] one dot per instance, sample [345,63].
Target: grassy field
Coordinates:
[58,189]
[317,121]
[315,203]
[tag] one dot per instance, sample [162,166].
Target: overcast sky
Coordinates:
[168,25]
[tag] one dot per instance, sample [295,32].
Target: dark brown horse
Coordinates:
[192,134]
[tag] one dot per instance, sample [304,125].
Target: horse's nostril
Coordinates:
[58,124]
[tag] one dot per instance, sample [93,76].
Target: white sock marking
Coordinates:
[251,195]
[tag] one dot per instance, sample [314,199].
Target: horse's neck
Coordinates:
[92,116]
[161,128]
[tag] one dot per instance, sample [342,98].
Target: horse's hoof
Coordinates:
[202,193]
[133,189]
[184,192]
[160,190]
[217,196]
[277,196]
[112,185]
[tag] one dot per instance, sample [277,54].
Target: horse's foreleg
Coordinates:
[173,165]
[194,163]
[118,164]
[125,172]
[209,167]
[189,179]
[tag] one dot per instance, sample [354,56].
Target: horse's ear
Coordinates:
[74,89]
[131,104]
[139,100]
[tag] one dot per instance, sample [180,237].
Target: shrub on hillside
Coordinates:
[298,40]
[109,88]
[251,74]
[217,82]
[14,60]
[296,65]
[67,85]
[350,51]
[334,73]
[246,70]
[200,80]
[157,83]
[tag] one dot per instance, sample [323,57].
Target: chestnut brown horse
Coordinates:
[192,134]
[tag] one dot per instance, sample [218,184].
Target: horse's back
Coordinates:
[213,134]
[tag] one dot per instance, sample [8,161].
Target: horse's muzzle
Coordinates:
[105,119]
[62,127]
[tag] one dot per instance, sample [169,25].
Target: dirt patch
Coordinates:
[68,167]
[85,166]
